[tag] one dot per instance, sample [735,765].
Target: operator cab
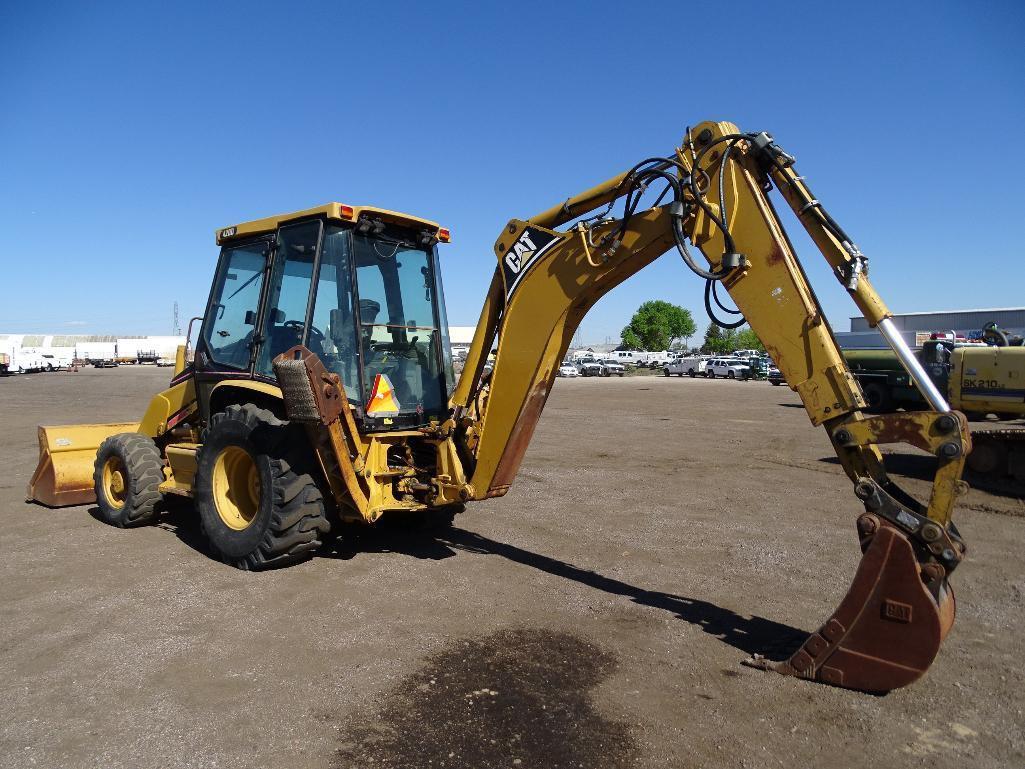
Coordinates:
[360,287]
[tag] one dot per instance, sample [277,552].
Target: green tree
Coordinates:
[718,340]
[655,326]
[747,339]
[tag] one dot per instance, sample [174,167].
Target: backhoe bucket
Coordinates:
[888,628]
[64,475]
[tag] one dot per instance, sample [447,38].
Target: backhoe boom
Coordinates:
[889,628]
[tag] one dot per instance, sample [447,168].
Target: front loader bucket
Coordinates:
[888,628]
[64,475]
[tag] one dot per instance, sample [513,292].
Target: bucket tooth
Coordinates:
[888,628]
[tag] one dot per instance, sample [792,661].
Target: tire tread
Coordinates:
[298,520]
[144,466]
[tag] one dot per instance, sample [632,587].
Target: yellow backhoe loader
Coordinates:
[322,392]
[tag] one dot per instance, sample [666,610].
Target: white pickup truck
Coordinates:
[692,366]
[728,368]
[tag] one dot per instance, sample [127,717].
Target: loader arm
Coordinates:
[889,627]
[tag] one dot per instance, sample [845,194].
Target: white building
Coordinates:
[65,348]
[916,327]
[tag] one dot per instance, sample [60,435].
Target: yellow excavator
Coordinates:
[321,390]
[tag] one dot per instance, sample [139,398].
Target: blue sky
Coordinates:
[130,131]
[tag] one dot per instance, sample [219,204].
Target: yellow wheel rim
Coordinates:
[236,487]
[114,482]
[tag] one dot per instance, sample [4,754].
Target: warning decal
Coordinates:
[383,402]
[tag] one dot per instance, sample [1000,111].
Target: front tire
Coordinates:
[126,476]
[258,503]
[710,374]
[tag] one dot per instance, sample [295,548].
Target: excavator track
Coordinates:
[997,460]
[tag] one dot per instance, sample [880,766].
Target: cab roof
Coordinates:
[336,211]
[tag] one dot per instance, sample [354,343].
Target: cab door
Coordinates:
[290,289]
[228,337]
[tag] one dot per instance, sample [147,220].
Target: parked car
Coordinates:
[729,368]
[691,366]
[568,369]
[27,361]
[635,357]
[776,377]
[760,366]
[51,362]
[658,359]
[614,368]
[592,368]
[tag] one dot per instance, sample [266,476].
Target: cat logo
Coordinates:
[522,250]
[528,247]
[228,232]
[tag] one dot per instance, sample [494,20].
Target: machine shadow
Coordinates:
[920,466]
[752,635]
[179,517]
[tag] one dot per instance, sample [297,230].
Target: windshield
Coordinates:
[402,342]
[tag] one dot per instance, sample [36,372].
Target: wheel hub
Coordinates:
[236,487]
[114,482]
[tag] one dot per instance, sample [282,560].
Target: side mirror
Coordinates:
[250,319]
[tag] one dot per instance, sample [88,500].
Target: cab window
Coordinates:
[399,333]
[334,322]
[289,294]
[231,317]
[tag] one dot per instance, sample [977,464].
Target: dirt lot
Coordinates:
[660,530]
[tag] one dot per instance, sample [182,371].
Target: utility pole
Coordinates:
[176,328]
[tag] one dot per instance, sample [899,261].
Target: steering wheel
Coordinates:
[316,335]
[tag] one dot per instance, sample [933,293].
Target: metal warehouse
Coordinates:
[966,322]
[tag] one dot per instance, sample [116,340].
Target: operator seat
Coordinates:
[281,337]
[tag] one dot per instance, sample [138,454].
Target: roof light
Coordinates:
[346,212]
[443,235]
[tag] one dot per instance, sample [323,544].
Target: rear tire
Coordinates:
[258,503]
[126,476]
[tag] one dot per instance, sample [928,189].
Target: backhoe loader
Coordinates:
[321,390]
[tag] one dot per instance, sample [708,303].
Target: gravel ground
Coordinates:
[660,530]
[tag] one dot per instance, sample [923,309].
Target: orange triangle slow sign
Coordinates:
[383,402]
